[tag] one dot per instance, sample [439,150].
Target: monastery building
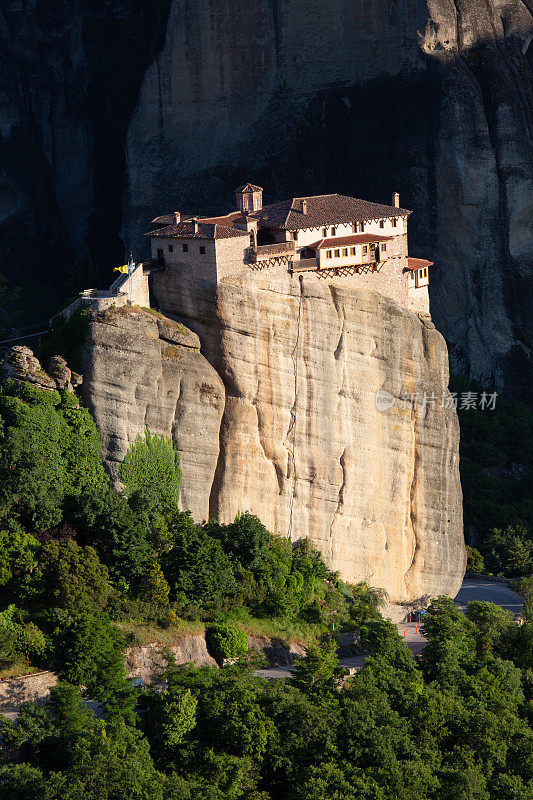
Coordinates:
[332,236]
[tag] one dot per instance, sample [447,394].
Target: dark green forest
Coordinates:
[82,568]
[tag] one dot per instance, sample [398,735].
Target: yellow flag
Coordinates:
[123,268]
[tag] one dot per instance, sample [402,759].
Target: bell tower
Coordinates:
[249,198]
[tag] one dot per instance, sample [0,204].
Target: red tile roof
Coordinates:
[326,209]
[206,230]
[418,263]
[357,238]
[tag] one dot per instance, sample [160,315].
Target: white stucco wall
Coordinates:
[308,236]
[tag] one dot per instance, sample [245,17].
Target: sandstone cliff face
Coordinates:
[278,416]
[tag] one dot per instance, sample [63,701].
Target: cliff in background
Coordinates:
[114,112]
[277,415]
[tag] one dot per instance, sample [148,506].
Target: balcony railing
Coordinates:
[271,250]
[304,264]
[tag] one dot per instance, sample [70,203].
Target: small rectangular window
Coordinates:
[337,253]
[324,231]
[171,248]
[202,249]
[362,227]
[357,226]
[382,223]
[333,231]
[384,246]
[352,251]
[394,222]
[365,249]
[328,253]
[185,247]
[294,235]
[344,252]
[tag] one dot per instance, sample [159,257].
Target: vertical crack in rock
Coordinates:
[340,498]
[291,464]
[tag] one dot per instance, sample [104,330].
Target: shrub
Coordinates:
[152,464]
[475,562]
[226,641]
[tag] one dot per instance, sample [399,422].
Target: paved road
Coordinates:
[498,593]
[472,589]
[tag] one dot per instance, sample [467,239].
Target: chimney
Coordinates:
[396,200]
[194,225]
[177,215]
[304,206]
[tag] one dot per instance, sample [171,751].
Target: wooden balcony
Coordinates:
[304,265]
[264,251]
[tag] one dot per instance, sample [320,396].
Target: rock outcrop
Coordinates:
[278,415]
[145,371]
[20,364]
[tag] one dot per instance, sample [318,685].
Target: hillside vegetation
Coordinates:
[82,569]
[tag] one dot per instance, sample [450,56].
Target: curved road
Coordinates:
[498,593]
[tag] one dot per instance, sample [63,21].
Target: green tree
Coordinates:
[152,464]
[72,577]
[367,602]
[22,782]
[19,552]
[490,622]
[49,449]
[197,569]
[510,551]
[31,641]
[475,562]
[89,652]
[172,716]
[452,642]
[120,535]
[317,674]
[246,539]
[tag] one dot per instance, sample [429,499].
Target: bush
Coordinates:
[226,641]
[475,562]
[152,464]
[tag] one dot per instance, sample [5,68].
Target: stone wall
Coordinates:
[32,688]
[232,256]
[202,266]
[418,299]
